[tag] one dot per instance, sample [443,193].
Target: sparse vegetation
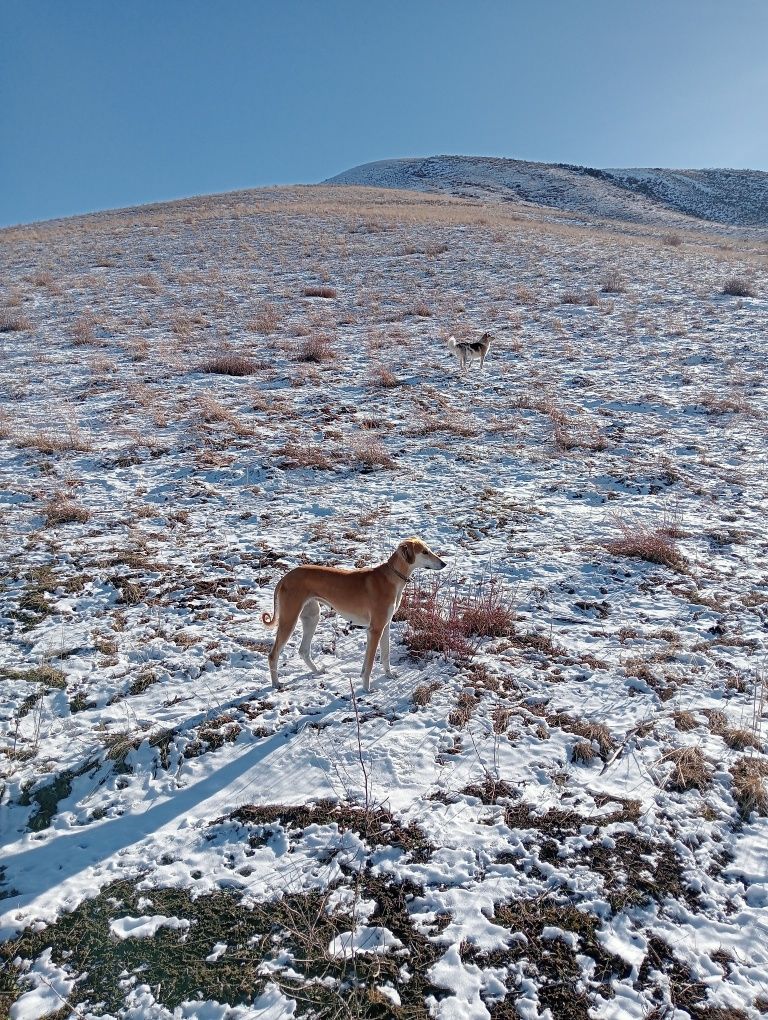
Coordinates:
[320,292]
[65,511]
[12,321]
[653,544]
[229,363]
[737,286]
[316,348]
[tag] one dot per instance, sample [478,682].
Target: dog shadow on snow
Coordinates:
[52,857]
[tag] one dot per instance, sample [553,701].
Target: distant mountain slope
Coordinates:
[733,197]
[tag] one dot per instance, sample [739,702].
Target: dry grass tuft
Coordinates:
[212,412]
[150,281]
[421,309]
[613,283]
[321,292]
[382,377]
[73,440]
[749,790]
[689,769]
[62,510]
[740,738]
[316,349]
[583,753]
[229,364]
[684,720]
[575,436]
[369,452]
[82,331]
[266,320]
[13,322]
[654,545]
[305,455]
[737,286]
[573,298]
[422,695]
[672,240]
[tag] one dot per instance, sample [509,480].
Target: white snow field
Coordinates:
[557,808]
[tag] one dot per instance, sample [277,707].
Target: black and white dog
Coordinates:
[467,350]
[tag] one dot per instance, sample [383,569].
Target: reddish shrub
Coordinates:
[442,619]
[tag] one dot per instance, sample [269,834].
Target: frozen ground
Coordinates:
[569,819]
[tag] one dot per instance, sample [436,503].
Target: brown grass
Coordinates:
[82,331]
[212,412]
[421,309]
[150,281]
[321,292]
[229,364]
[740,738]
[316,349]
[684,720]
[266,320]
[73,440]
[422,695]
[62,510]
[654,545]
[689,769]
[737,286]
[13,322]
[575,436]
[571,297]
[301,455]
[382,377]
[613,283]
[749,790]
[369,452]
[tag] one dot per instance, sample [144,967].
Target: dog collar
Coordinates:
[406,579]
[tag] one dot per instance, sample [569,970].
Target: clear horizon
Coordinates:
[111,106]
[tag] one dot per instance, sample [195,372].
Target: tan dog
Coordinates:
[467,350]
[367,598]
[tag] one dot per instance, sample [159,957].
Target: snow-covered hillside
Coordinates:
[732,197]
[557,809]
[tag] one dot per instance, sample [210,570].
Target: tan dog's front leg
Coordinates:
[374,636]
[385,652]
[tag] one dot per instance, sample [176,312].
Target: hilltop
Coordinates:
[737,198]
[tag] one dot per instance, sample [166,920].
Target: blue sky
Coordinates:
[110,103]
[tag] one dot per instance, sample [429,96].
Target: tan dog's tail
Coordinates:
[270,619]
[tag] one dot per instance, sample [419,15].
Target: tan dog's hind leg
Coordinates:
[286,623]
[374,636]
[309,617]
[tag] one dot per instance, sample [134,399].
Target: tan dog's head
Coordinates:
[418,554]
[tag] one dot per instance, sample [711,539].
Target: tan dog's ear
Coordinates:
[408,552]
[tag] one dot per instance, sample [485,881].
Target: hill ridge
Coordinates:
[729,197]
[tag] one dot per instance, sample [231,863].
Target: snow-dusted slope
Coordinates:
[558,808]
[735,197]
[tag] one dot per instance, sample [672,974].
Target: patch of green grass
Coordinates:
[552,962]
[298,926]
[47,797]
[377,825]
